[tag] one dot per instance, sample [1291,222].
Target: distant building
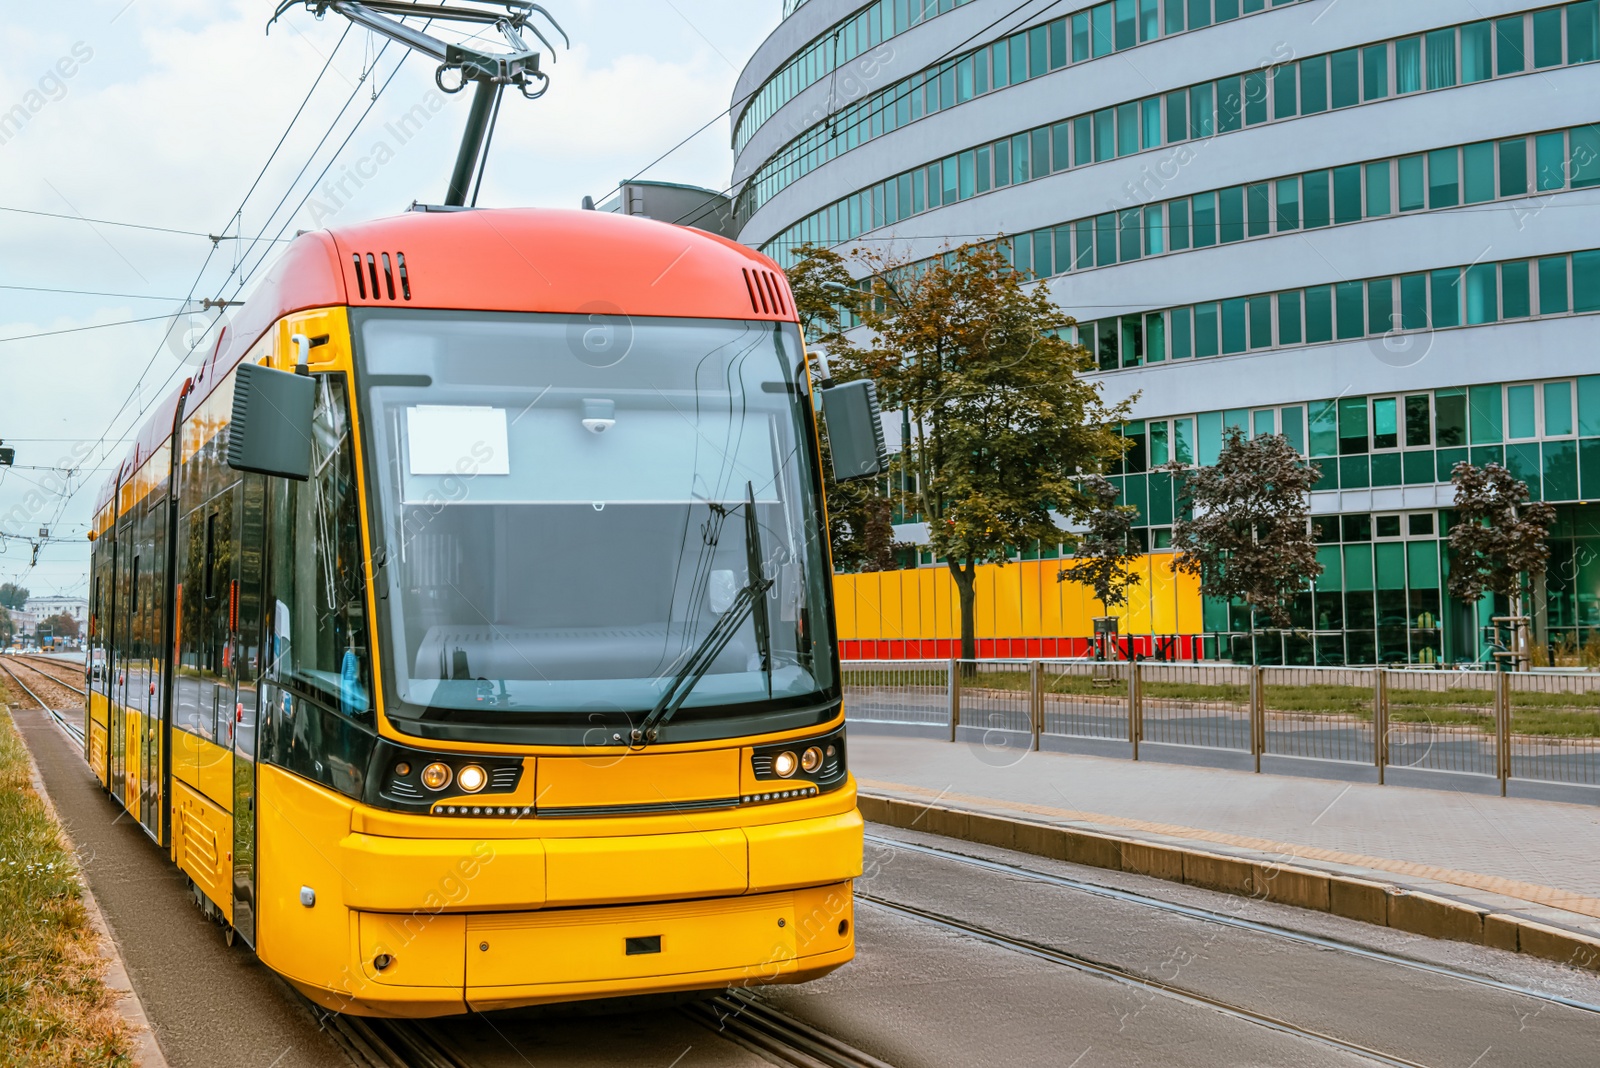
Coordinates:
[43,608]
[682,205]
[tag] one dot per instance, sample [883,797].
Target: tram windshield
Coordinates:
[562,515]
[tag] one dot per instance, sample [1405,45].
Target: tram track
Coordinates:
[32,664]
[1224,919]
[736,1016]
[73,731]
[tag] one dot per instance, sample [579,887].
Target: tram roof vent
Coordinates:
[380,276]
[767,291]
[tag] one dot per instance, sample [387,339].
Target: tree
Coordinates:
[60,625]
[1003,424]
[1499,534]
[13,596]
[8,629]
[860,531]
[1106,550]
[1246,527]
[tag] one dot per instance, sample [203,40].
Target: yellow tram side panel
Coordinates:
[553,900]
[97,740]
[202,844]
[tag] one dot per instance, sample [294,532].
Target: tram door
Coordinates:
[117,663]
[248,664]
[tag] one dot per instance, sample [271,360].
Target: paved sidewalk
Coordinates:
[1537,859]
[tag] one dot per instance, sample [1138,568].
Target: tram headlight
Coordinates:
[472,779]
[785,764]
[811,760]
[436,776]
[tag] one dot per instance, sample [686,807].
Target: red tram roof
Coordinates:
[510,260]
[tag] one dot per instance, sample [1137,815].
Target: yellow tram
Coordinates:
[467,621]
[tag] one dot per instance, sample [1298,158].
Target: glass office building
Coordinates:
[1371,227]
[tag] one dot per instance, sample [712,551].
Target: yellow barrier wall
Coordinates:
[1018,604]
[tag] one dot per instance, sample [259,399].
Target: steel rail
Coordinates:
[1237,922]
[29,663]
[73,732]
[1128,978]
[741,1017]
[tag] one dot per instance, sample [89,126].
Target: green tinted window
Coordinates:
[1419,421]
[1346,71]
[1557,409]
[1547,37]
[1182,334]
[1314,193]
[1325,428]
[1350,310]
[1486,414]
[1352,426]
[1477,173]
[1408,65]
[1520,410]
[1483,298]
[1289,332]
[1446,302]
[1260,322]
[1205,330]
[1234,338]
[1183,440]
[1285,92]
[1414,302]
[1230,214]
[1288,191]
[1380,306]
[1586,281]
[1583,168]
[1514,290]
[1553,285]
[1294,427]
[1204,206]
[1450,417]
[1444,180]
[1509,46]
[1413,192]
[1513,167]
[1477,41]
[1378,198]
[1258,208]
[1550,161]
[1319,314]
[1442,59]
[1346,194]
[1375,72]
[1313,85]
[1583,32]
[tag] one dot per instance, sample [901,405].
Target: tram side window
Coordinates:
[316,605]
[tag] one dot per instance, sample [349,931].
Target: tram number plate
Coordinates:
[646,944]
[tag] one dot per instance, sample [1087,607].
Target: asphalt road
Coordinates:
[919,995]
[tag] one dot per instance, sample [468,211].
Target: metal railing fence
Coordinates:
[1533,726]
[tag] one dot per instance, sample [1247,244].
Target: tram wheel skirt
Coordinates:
[445,964]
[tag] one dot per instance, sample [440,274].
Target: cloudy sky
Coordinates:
[162,114]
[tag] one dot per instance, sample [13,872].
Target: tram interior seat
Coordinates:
[568,653]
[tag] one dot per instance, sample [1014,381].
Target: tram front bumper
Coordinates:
[427,926]
[486,961]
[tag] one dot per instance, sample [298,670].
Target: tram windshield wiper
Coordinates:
[749,601]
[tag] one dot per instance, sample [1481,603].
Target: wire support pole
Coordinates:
[485,97]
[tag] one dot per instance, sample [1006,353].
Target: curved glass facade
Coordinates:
[847,39]
[1457,56]
[1022,56]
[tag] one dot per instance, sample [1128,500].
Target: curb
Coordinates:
[1382,904]
[146,1050]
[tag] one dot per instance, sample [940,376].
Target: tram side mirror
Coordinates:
[271,429]
[855,430]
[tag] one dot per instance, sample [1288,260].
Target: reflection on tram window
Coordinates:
[316,610]
[561,513]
